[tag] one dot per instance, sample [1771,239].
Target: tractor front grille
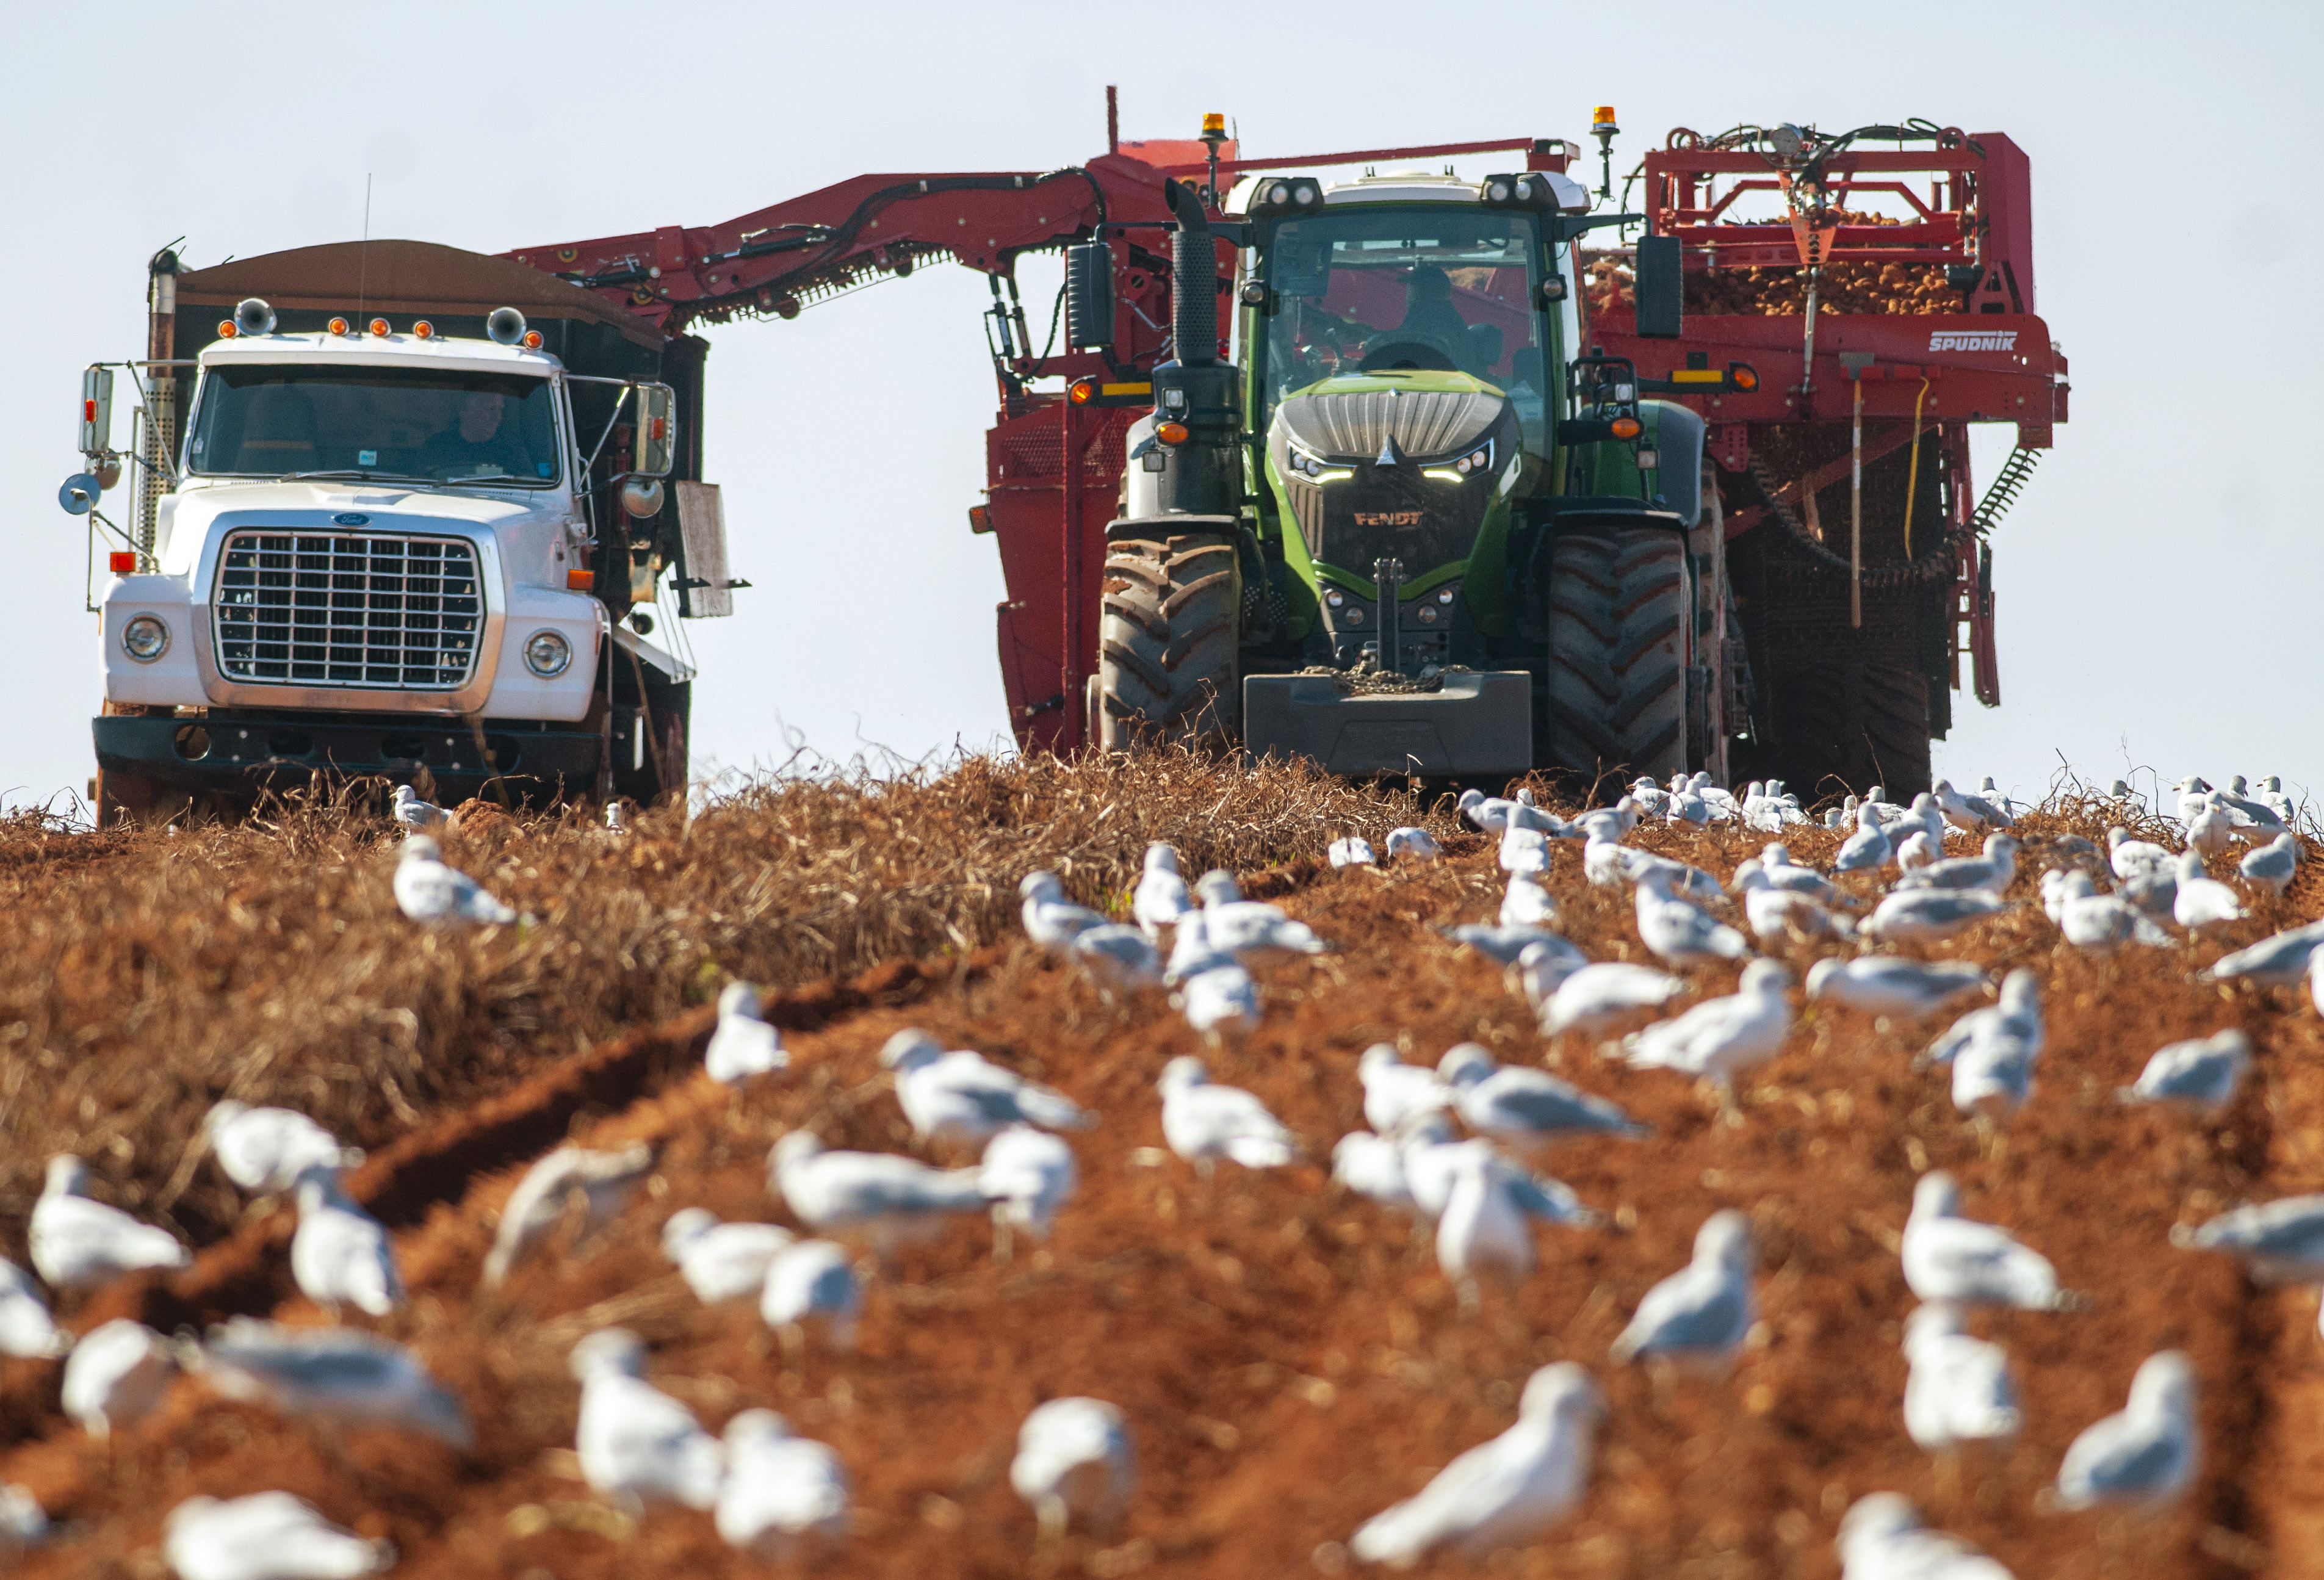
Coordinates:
[348,609]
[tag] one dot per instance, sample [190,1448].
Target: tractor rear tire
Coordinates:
[1617,682]
[1167,643]
[1847,724]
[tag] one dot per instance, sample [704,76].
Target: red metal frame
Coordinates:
[1052,468]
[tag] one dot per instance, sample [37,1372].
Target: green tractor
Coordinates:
[1418,531]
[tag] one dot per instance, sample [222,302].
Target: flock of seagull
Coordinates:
[1457,1145]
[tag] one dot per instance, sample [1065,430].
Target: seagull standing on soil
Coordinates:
[1161,897]
[1074,1463]
[1413,844]
[78,1243]
[877,1196]
[1250,930]
[961,1096]
[267,1536]
[265,1149]
[812,1282]
[1598,997]
[1395,1093]
[1485,1220]
[1960,1261]
[115,1375]
[743,1045]
[1930,915]
[1866,850]
[340,1375]
[409,811]
[1026,1175]
[1051,920]
[1351,850]
[1543,967]
[2279,1242]
[635,1442]
[1526,904]
[2146,1454]
[2280,960]
[340,1254]
[1205,1121]
[1681,933]
[1701,1313]
[2271,867]
[1118,955]
[784,1496]
[722,1262]
[1220,1001]
[1959,1389]
[1888,984]
[1372,1167]
[1502,1493]
[436,895]
[27,1330]
[1882,1537]
[1526,1109]
[2202,901]
[1992,872]
[605,1181]
[1719,1037]
[2098,922]
[2201,1074]
[2131,859]
[2016,1019]
[1782,915]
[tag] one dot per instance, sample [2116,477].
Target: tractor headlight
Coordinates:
[1479,459]
[547,653]
[145,639]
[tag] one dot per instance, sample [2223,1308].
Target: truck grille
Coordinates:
[348,609]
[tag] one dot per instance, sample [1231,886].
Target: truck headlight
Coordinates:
[145,639]
[547,653]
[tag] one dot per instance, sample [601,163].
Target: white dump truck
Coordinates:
[405,515]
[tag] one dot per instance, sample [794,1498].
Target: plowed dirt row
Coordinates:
[1292,1361]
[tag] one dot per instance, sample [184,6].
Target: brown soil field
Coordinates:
[1290,1360]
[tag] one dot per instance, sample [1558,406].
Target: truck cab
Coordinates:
[385,551]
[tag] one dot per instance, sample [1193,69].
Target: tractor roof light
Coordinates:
[1601,121]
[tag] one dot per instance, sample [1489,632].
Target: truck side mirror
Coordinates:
[96,411]
[1661,288]
[657,440]
[1089,295]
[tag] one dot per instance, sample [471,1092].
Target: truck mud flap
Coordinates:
[1479,723]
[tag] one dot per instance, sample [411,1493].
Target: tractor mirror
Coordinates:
[1089,294]
[96,411]
[657,440]
[1661,288]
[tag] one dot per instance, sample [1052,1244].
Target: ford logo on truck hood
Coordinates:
[351,517]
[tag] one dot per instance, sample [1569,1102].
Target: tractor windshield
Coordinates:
[436,425]
[1446,286]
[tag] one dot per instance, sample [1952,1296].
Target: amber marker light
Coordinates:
[122,562]
[581,581]
[1628,427]
[338,326]
[1082,392]
[424,329]
[1171,433]
[1743,378]
[226,331]
[533,340]
[378,326]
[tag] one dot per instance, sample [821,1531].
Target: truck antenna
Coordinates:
[363,252]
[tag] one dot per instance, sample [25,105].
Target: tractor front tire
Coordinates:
[1166,642]
[1617,609]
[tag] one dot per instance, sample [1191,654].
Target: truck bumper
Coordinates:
[1479,723]
[237,754]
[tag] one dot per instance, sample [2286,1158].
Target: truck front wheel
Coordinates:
[1618,608]
[1166,642]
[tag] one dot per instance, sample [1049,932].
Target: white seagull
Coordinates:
[1701,1313]
[963,1097]
[1959,1390]
[1881,1538]
[1250,930]
[1372,1167]
[339,1375]
[1543,967]
[1679,932]
[1205,1121]
[1118,955]
[1929,915]
[1161,897]
[27,1331]
[2202,901]
[1526,1109]
[1026,1174]
[2098,922]
[340,1255]
[1051,920]
[1719,1037]
[1351,850]
[1074,1463]
[2272,865]
[604,1180]
[1502,1493]
[784,1496]
[2279,960]
[1485,1222]
[1601,996]
[812,1281]
[877,1196]
[1992,872]
[436,895]
[2279,1242]
[742,1044]
[1961,1261]
[116,1374]
[265,1149]
[267,1536]
[78,1243]
[1527,903]
[1887,985]
[1395,1093]
[1413,844]
[1866,850]
[2201,1073]
[722,1262]
[413,813]
[2146,1454]
[634,1441]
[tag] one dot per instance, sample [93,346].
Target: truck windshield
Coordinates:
[277,420]
[1437,285]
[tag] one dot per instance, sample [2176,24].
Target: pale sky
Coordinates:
[2154,579]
